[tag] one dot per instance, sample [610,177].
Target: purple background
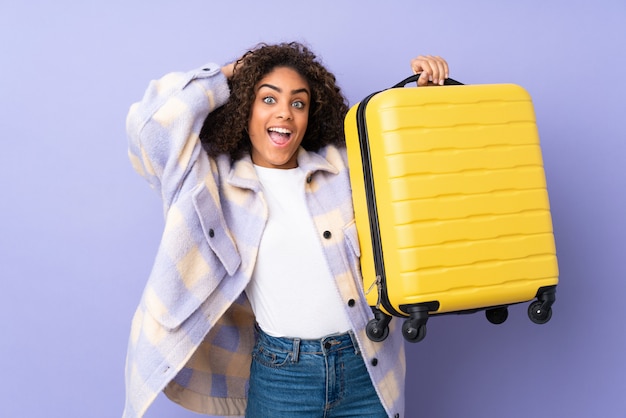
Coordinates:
[79,229]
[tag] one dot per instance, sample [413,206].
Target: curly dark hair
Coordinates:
[224,130]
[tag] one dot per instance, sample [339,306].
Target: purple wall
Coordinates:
[79,229]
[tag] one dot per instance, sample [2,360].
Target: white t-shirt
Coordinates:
[292,291]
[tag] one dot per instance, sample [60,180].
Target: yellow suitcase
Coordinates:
[451,204]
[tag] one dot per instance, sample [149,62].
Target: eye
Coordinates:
[298,104]
[269,100]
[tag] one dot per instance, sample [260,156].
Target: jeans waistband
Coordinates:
[325,345]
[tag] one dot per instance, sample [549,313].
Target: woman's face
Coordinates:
[279,118]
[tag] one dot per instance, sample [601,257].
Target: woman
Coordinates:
[254,304]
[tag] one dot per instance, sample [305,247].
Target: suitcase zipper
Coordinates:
[379,287]
[370,194]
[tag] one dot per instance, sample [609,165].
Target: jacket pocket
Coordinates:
[215,229]
[196,254]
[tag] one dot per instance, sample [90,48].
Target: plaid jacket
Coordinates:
[192,333]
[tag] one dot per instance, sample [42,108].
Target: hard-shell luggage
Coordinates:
[451,204]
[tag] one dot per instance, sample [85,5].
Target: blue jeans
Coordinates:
[327,378]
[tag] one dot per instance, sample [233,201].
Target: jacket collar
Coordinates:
[242,173]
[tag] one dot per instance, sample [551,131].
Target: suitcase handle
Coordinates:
[414,77]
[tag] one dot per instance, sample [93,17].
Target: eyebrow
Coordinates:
[279,90]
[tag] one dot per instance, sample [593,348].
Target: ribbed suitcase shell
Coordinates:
[460,198]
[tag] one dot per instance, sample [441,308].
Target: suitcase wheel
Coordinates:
[414,327]
[497,316]
[413,330]
[377,329]
[538,313]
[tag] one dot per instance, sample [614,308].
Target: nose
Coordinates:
[284,112]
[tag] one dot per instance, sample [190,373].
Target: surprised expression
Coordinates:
[279,118]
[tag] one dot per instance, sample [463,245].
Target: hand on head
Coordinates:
[228,70]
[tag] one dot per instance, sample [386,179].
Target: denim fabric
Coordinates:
[326,378]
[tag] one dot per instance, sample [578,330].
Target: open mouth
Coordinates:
[279,136]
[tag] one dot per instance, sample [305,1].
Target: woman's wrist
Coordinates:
[228,70]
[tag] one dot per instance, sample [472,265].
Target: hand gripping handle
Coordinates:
[414,77]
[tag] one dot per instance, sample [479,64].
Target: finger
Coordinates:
[439,73]
[423,79]
[419,64]
[437,69]
[422,65]
[446,68]
[442,70]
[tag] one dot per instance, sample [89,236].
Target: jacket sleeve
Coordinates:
[163,128]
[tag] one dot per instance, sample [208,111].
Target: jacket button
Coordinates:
[396,416]
[327,234]
[374,361]
[351,303]
[211,233]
